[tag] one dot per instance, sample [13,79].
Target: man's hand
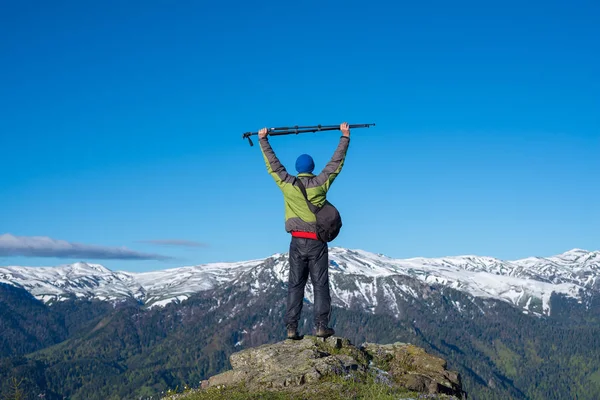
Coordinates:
[345,129]
[263,133]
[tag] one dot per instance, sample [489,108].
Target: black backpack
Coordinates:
[329,221]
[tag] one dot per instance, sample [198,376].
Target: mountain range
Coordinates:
[357,277]
[524,329]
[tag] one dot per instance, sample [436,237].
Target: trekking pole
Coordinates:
[294,130]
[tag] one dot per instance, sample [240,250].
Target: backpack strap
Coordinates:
[314,209]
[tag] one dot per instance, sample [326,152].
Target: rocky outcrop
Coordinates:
[413,368]
[299,366]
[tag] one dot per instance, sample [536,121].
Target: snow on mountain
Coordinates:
[356,277]
[527,286]
[95,281]
[79,279]
[162,287]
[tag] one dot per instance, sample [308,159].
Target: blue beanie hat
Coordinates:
[305,163]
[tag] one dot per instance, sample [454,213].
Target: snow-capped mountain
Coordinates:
[357,277]
[85,280]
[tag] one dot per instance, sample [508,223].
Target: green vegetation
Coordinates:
[15,390]
[92,351]
[236,393]
[506,359]
[331,388]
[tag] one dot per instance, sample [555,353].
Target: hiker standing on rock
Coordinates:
[308,251]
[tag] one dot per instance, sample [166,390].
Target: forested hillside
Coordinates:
[128,351]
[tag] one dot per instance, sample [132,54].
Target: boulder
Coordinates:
[303,364]
[413,368]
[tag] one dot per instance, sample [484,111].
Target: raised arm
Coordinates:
[334,166]
[274,166]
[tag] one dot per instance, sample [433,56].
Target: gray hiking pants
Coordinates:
[308,256]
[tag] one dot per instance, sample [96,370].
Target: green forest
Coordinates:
[96,350]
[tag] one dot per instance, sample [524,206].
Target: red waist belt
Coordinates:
[305,235]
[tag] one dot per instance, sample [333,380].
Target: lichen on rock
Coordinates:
[310,364]
[413,368]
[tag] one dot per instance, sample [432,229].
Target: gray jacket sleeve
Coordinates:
[274,166]
[334,166]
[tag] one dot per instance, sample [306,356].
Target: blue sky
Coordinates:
[121,123]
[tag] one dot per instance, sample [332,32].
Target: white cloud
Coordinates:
[43,246]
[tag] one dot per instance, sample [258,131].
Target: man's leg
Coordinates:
[319,275]
[297,281]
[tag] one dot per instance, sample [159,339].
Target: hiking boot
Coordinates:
[324,332]
[292,333]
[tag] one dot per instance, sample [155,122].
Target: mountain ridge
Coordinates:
[499,347]
[525,283]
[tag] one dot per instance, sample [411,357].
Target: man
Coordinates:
[308,254]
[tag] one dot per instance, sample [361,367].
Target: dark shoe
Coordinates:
[292,333]
[324,332]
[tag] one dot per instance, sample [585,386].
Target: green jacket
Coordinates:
[298,216]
